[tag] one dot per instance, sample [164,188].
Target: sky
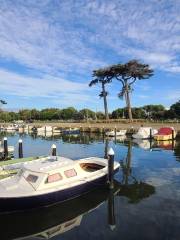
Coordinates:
[49,48]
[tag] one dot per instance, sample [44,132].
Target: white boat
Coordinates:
[144,133]
[51,179]
[10,149]
[117,133]
[11,128]
[45,129]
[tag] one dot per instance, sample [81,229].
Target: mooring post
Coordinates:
[172,134]
[172,139]
[115,131]
[5,148]
[53,147]
[150,138]
[111,168]
[45,130]
[150,134]
[111,212]
[20,149]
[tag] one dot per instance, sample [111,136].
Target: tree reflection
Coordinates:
[130,187]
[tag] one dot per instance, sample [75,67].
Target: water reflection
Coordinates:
[149,176]
[132,188]
[57,219]
[177,151]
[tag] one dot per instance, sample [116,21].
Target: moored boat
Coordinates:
[71,131]
[50,180]
[165,133]
[144,133]
[45,129]
[116,133]
[11,128]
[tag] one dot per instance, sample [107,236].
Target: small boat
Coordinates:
[145,133]
[10,149]
[11,128]
[50,180]
[165,133]
[117,133]
[71,131]
[45,129]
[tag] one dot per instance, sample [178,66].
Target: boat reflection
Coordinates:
[144,144]
[57,219]
[135,190]
[154,145]
[165,145]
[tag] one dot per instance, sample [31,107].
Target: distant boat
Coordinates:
[10,149]
[165,133]
[144,133]
[11,128]
[117,133]
[71,131]
[50,180]
[45,129]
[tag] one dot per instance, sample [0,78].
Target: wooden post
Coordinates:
[5,148]
[45,130]
[53,147]
[111,168]
[28,129]
[20,149]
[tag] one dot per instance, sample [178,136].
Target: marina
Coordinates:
[147,185]
[89,120]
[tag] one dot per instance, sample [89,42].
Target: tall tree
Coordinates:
[103,77]
[128,74]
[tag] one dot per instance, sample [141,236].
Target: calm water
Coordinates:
[145,203]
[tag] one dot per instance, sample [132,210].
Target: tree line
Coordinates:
[151,112]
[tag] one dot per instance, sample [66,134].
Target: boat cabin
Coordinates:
[54,172]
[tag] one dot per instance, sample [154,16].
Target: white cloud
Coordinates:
[66,35]
[71,38]
[47,86]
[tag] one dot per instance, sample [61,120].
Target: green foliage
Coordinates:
[156,112]
[68,113]
[118,113]
[175,108]
[87,114]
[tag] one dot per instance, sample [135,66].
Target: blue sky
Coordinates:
[48,49]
